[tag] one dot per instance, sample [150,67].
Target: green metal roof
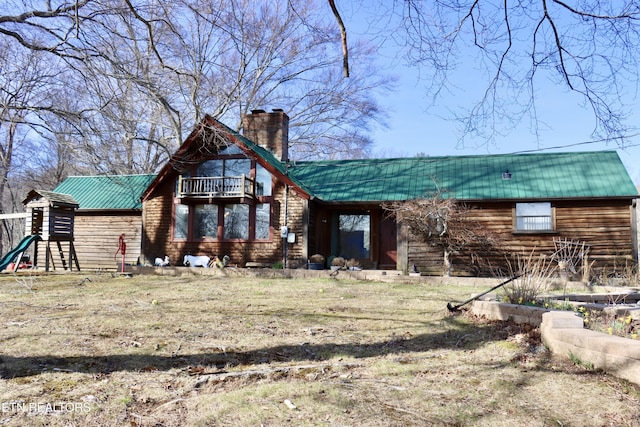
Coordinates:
[106,191]
[533,176]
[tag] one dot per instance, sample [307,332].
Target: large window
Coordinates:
[224,167]
[181,223]
[211,168]
[234,219]
[534,217]
[225,218]
[354,233]
[237,167]
[205,221]
[236,222]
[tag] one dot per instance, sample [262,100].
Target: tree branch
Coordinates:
[343,34]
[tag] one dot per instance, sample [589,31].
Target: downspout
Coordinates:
[285,235]
[634,230]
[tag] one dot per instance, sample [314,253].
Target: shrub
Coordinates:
[537,273]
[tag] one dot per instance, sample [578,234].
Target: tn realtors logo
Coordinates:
[44,407]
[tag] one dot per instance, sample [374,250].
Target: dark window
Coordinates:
[236,219]
[263,181]
[181,223]
[236,222]
[230,221]
[205,221]
[263,221]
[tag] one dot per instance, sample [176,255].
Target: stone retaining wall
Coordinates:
[564,334]
[515,312]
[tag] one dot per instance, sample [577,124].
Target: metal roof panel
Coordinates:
[533,176]
[106,191]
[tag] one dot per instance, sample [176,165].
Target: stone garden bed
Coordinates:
[564,334]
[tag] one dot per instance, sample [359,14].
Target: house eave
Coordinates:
[547,199]
[494,200]
[108,210]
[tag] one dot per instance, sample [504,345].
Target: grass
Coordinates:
[208,350]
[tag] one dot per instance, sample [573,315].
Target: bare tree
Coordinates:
[243,55]
[141,73]
[441,222]
[24,83]
[588,50]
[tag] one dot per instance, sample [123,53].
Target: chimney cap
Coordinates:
[277,110]
[257,111]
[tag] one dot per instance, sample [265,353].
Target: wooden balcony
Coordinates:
[216,187]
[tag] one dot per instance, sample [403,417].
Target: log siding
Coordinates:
[158,241]
[605,226]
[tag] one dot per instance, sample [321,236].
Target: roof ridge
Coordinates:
[110,175]
[453,156]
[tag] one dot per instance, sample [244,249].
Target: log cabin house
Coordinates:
[225,193]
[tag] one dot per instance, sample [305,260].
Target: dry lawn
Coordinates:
[98,350]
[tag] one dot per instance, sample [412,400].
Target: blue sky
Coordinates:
[413,128]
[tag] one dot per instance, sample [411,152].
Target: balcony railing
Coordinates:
[216,187]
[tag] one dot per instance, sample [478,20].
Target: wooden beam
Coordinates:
[15,215]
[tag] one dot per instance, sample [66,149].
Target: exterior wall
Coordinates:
[297,221]
[606,226]
[96,236]
[427,259]
[636,224]
[158,241]
[157,215]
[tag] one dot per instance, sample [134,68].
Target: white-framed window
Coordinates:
[536,216]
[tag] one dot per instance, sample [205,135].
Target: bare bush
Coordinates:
[443,222]
[537,273]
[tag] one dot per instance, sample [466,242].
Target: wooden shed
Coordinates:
[109,206]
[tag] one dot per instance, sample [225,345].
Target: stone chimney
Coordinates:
[268,130]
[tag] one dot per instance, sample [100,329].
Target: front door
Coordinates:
[388,258]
